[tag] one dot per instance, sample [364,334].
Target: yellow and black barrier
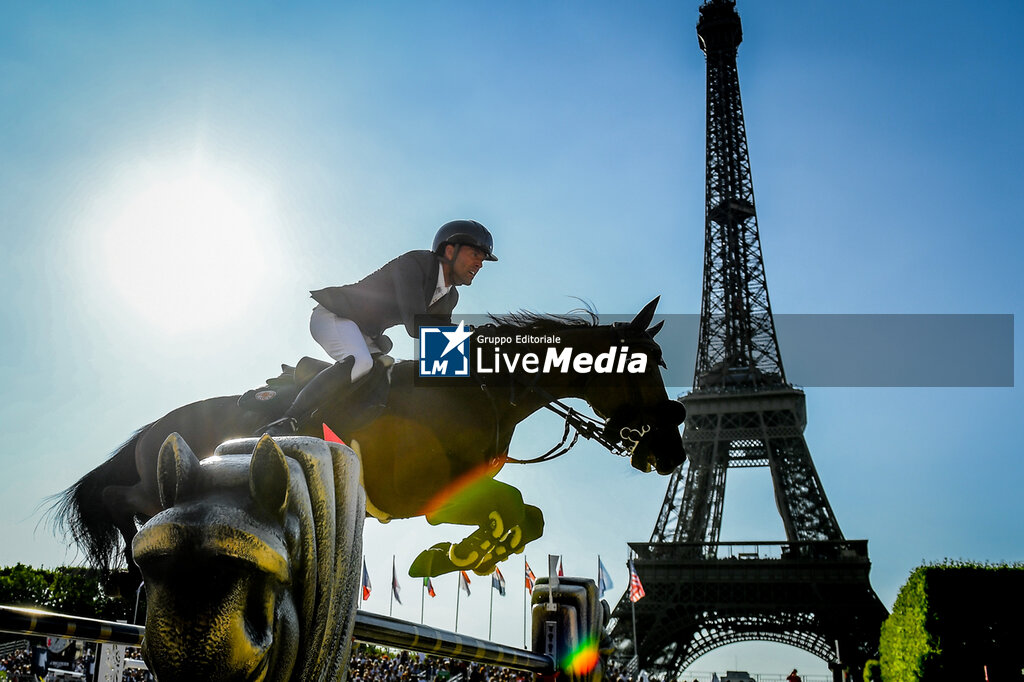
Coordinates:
[370,628]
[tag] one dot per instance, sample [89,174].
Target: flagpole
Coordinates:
[458,588]
[391,603]
[636,644]
[632,607]
[490,618]
[526,602]
[423,594]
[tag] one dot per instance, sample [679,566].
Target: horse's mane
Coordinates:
[529,321]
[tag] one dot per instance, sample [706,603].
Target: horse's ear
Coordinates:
[268,477]
[644,317]
[176,469]
[653,331]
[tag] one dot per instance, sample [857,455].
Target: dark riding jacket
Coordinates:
[394,294]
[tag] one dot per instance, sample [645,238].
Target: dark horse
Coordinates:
[432,451]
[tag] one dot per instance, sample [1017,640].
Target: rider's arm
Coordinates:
[414,282]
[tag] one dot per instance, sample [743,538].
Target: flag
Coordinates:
[604,579]
[366,582]
[464,582]
[636,590]
[395,589]
[430,586]
[531,579]
[554,569]
[498,581]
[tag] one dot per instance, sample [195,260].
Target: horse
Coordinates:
[433,450]
[251,568]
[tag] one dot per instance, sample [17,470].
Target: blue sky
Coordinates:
[175,178]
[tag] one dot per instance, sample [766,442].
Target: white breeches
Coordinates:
[341,338]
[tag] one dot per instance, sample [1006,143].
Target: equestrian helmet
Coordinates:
[465,232]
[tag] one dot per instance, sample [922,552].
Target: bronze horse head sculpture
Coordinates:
[249,569]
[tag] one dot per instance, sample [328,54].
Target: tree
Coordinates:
[67,589]
[951,619]
[23,585]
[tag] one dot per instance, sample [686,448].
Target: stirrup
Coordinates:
[285,426]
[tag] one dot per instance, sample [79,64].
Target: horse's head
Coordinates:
[638,413]
[231,574]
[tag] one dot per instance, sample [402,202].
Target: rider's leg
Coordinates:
[320,388]
[341,338]
[344,342]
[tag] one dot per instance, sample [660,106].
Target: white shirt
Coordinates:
[441,289]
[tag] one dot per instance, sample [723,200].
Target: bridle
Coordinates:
[577,423]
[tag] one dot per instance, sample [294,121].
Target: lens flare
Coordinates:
[583,659]
[462,487]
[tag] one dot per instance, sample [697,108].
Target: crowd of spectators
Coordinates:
[15,665]
[371,664]
[368,664]
[132,674]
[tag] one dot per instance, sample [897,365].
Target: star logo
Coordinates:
[455,338]
[444,351]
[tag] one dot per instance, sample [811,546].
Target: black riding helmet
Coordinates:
[465,232]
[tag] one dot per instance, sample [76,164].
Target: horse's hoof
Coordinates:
[432,562]
[513,539]
[497,525]
[471,558]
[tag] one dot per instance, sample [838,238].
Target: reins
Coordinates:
[577,422]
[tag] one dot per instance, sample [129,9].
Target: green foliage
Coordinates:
[951,619]
[67,589]
[22,586]
[905,642]
[872,671]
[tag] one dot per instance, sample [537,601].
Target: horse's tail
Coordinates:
[79,511]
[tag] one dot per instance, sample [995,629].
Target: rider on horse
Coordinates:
[349,321]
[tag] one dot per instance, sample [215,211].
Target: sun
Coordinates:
[180,239]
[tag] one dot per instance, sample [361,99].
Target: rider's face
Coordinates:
[468,261]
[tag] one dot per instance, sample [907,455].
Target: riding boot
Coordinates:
[316,392]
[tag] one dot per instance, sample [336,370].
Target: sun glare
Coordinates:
[180,240]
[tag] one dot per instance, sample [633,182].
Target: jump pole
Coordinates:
[370,628]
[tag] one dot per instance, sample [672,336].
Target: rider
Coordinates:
[349,321]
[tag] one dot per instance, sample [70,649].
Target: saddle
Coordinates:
[367,397]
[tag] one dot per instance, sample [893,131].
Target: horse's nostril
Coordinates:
[259,613]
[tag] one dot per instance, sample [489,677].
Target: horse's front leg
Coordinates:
[505,526]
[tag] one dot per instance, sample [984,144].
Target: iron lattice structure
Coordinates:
[810,595]
[742,413]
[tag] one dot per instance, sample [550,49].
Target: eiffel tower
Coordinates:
[812,590]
